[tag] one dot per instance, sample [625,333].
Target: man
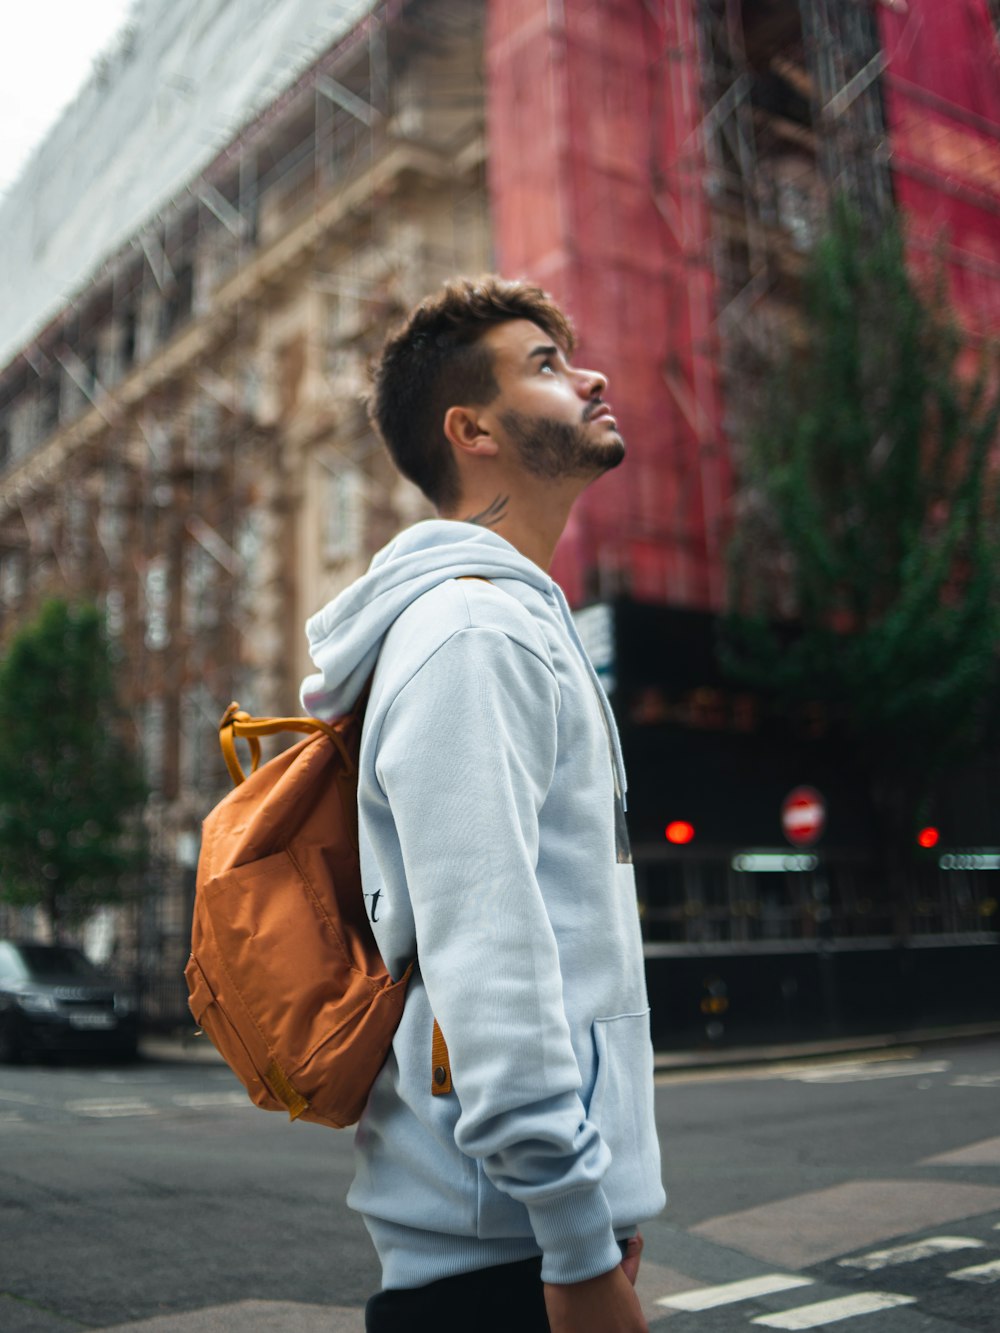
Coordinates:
[493,846]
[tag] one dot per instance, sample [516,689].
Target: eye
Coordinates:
[548,365]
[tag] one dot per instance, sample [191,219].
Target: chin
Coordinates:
[616,452]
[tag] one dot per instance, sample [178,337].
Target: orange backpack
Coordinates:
[285,976]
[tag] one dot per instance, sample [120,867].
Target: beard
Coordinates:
[554,449]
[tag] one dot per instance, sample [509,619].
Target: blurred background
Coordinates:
[775,225]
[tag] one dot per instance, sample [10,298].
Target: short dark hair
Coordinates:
[436,359]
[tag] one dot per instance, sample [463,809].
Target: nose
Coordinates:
[591,383]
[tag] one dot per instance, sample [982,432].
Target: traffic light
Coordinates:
[679,832]
[928,837]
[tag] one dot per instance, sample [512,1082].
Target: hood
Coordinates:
[346,636]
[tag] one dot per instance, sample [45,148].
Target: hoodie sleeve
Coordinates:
[466,755]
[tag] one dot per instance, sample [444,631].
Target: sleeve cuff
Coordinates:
[575,1235]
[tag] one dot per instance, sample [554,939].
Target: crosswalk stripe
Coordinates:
[865,1072]
[980,1273]
[907,1254]
[203,1101]
[986,1152]
[707,1298]
[108,1109]
[829,1312]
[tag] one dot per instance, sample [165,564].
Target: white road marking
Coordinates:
[133,1078]
[707,1298]
[776,1069]
[829,1312]
[907,1254]
[856,1072]
[196,1101]
[984,1153]
[20,1097]
[108,1109]
[981,1273]
[976,1081]
[11,1118]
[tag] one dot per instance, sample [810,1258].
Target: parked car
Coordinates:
[53,999]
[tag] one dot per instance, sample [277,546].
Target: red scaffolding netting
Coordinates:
[942,88]
[596,178]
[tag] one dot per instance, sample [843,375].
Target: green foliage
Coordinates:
[869,496]
[70,786]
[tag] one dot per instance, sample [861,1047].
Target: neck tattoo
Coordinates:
[493,513]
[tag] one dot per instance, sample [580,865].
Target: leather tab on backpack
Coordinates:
[440,1064]
[290,1098]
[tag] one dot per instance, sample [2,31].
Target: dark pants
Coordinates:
[490,1300]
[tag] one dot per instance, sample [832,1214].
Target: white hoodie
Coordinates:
[490,799]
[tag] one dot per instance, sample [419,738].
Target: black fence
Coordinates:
[707,996]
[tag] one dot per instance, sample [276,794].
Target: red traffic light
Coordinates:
[929,837]
[679,832]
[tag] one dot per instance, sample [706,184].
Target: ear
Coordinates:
[467,431]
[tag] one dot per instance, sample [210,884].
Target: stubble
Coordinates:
[553,449]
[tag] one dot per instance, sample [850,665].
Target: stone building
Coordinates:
[183,435]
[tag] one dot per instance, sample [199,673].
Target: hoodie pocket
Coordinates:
[621,1107]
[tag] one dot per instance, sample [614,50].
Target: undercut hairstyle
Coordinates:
[436,360]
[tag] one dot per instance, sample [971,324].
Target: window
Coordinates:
[201,762]
[127,338]
[343,514]
[114,613]
[48,404]
[177,300]
[201,589]
[156,592]
[153,728]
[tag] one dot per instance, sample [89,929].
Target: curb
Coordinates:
[667,1062]
[179,1048]
[195,1048]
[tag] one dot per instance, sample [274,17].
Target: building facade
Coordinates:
[182,428]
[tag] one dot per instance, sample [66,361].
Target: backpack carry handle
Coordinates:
[235,722]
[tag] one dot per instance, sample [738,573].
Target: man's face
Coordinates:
[550,411]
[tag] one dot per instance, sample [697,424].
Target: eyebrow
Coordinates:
[549,349]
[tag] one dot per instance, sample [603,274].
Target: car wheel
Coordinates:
[10,1046]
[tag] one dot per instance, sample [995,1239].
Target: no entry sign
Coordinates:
[803,816]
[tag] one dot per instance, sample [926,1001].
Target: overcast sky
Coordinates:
[49,48]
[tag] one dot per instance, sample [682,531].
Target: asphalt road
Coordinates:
[862,1193]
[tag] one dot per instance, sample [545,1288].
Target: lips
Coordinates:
[598,410]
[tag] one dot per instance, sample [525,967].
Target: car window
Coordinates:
[55,960]
[11,967]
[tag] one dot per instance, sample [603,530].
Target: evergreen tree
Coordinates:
[70,785]
[869,510]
